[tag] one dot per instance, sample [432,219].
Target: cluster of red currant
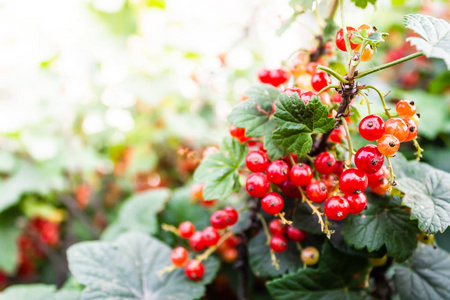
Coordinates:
[208,237]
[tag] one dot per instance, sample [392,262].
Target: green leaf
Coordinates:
[385,222]
[139,213]
[426,275]
[260,260]
[9,233]
[298,121]
[338,277]
[219,171]
[156,3]
[127,269]
[427,193]
[435,33]
[330,28]
[305,4]
[38,292]
[363,3]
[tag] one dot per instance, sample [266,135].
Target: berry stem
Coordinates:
[167,269]
[367,101]
[344,29]
[334,74]
[299,248]
[391,171]
[419,149]
[386,109]
[283,219]
[349,141]
[388,65]
[315,209]
[170,228]
[269,236]
[211,250]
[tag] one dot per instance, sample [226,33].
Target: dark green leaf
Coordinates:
[305,220]
[427,193]
[435,33]
[363,3]
[298,121]
[38,292]
[426,275]
[260,260]
[385,222]
[219,171]
[128,269]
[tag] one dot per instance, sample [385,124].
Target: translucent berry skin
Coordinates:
[325,163]
[376,178]
[277,171]
[367,53]
[290,91]
[179,256]
[339,168]
[197,191]
[353,182]
[274,77]
[310,256]
[337,135]
[186,229]
[278,243]
[406,109]
[295,234]
[320,80]
[238,133]
[257,161]
[413,129]
[336,208]
[357,203]
[317,191]
[276,227]
[232,215]
[368,159]
[301,174]
[397,127]
[340,41]
[194,270]
[272,203]
[388,144]
[307,95]
[290,189]
[257,185]
[210,236]
[382,188]
[330,180]
[196,241]
[372,127]
[219,219]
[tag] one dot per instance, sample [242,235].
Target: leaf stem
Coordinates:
[367,101]
[350,145]
[386,109]
[328,87]
[388,65]
[333,73]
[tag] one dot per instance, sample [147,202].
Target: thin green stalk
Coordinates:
[367,101]
[391,170]
[350,145]
[388,65]
[333,73]
[344,28]
[386,109]
[331,86]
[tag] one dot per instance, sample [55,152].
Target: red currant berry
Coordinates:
[219,219]
[357,203]
[272,203]
[238,133]
[290,91]
[310,256]
[301,174]
[339,168]
[382,188]
[186,229]
[340,41]
[317,191]
[412,129]
[388,144]
[290,189]
[276,227]
[330,180]
[336,208]
[397,127]
[320,80]
[296,235]
[287,160]
[257,161]
[405,108]
[368,159]
[232,215]
[273,77]
[196,241]
[194,270]
[197,191]
[278,171]
[264,75]
[372,127]
[307,95]
[278,243]
[337,135]
[179,256]
[337,98]
[325,163]
[257,185]
[353,182]
[210,236]
[378,177]
[208,203]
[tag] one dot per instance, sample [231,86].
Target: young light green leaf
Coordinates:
[385,222]
[128,269]
[363,3]
[426,275]
[298,121]
[435,33]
